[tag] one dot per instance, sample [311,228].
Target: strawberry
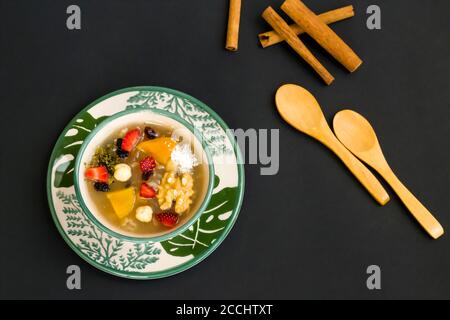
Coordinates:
[99,174]
[147,164]
[147,191]
[168,219]
[130,140]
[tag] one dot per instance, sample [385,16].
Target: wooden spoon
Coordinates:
[356,133]
[301,110]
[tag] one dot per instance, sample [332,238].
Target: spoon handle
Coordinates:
[417,209]
[361,172]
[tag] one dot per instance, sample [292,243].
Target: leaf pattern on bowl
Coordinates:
[205,230]
[101,247]
[214,135]
[79,129]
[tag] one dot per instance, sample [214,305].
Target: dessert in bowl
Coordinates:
[144,174]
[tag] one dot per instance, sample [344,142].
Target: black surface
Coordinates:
[308,232]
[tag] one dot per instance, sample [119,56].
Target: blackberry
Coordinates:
[150,133]
[101,186]
[146,175]
[122,154]
[119,143]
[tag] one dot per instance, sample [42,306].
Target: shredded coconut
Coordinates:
[183,157]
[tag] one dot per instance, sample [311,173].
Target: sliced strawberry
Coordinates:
[147,164]
[168,219]
[131,139]
[147,191]
[99,174]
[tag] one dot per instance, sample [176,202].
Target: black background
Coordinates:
[308,232]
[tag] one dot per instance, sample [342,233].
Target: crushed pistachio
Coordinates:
[105,156]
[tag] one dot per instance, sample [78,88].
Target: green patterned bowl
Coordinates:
[122,120]
[135,258]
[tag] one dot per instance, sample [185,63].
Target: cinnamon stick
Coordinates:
[322,33]
[270,38]
[234,17]
[283,29]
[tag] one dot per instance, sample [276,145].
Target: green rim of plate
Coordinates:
[174,232]
[197,259]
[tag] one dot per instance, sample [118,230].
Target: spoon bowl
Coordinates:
[348,124]
[298,107]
